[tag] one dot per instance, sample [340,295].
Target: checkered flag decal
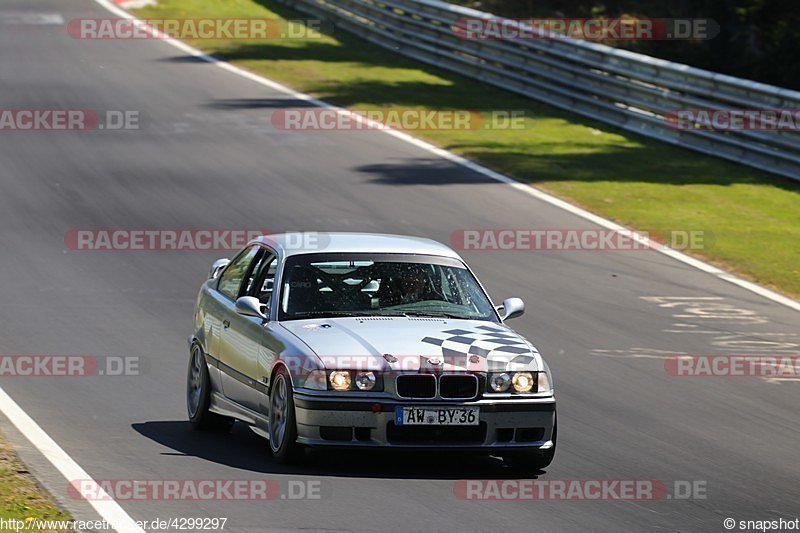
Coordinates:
[502,350]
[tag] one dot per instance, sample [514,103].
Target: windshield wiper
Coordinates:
[327,314]
[415,314]
[432,314]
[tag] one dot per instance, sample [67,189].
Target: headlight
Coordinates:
[366,381]
[519,382]
[340,380]
[499,382]
[522,381]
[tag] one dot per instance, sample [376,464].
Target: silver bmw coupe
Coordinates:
[365,340]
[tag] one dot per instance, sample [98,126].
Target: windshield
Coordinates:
[329,285]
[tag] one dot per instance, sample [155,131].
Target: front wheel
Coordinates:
[198,395]
[282,424]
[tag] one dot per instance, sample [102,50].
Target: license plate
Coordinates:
[430,416]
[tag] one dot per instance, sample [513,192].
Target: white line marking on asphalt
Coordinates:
[135,4]
[522,187]
[32,19]
[108,509]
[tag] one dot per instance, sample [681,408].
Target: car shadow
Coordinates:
[422,171]
[259,103]
[243,449]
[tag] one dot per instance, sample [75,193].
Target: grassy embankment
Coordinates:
[21,498]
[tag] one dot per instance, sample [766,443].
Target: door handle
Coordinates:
[226,324]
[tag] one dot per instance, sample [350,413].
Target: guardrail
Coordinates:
[628,90]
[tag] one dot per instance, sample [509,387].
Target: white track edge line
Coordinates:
[497,176]
[107,508]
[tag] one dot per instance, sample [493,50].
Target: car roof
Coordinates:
[298,243]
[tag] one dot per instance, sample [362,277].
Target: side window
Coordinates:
[254,273]
[231,279]
[265,279]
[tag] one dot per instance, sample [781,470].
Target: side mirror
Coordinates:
[511,308]
[217,267]
[250,306]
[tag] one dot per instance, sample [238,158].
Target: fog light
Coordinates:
[340,380]
[500,382]
[365,380]
[522,381]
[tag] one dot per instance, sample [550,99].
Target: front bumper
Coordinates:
[505,425]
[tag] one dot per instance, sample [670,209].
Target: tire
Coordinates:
[282,422]
[198,395]
[533,461]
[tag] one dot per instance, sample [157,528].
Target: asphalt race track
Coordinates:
[206,156]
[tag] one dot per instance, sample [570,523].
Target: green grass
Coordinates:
[754,217]
[20,496]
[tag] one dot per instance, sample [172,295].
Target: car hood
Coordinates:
[411,344]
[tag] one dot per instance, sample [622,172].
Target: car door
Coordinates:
[241,343]
[217,304]
[227,291]
[271,344]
